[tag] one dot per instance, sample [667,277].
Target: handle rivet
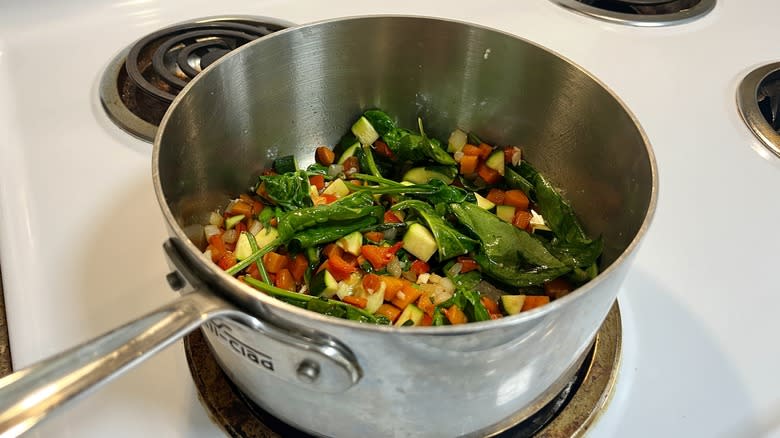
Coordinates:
[308,371]
[175,281]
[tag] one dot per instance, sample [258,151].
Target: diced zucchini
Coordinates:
[364,131]
[411,313]
[232,221]
[243,248]
[285,164]
[457,140]
[495,161]
[348,152]
[266,236]
[337,188]
[351,243]
[323,284]
[483,202]
[512,304]
[423,175]
[419,242]
[505,212]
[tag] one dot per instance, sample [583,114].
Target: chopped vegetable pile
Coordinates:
[393,227]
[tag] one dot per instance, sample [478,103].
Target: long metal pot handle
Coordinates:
[29,395]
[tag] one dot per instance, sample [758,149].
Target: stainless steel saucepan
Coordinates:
[300,88]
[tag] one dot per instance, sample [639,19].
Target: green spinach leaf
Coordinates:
[450,242]
[289,190]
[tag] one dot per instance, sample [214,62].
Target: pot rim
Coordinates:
[240,289]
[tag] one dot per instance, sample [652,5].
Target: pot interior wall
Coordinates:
[288,93]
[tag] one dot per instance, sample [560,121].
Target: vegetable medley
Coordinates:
[393,227]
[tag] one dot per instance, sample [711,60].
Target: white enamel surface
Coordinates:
[81,233]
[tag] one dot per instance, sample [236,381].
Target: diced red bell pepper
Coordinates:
[379,256]
[467,264]
[339,268]
[419,267]
[391,218]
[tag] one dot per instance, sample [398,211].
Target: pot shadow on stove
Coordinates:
[658,354]
[123,273]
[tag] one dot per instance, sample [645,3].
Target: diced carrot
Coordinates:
[285,280]
[382,149]
[455,315]
[355,301]
[425,303]
[406,295]
[317,181]
[388,311]
[522,219]
[371,282]
[496,196]
[240,207]
[379,256]
[246,198]
[257,207]
[298,267]
[328,198]
[374,236]
[253,270]
[330,249]
[557,288]
[351,165]
[491,176]
[468,164]
[419,267]
[467,264]
[393,286]
[485,150]
[534,301]
[275,262]
[227,261]
[470,149]
[392,218]
[218,248]
[508,152]
[517,199]
[490,304]
[324,155]
[426,320]
[340,269]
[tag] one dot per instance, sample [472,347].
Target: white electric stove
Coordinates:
[81,231]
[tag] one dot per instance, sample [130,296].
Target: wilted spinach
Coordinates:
[449,241]
[289,190]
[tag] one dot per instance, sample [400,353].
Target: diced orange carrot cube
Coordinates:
[491,176]
[388,311]
[455,315]
[534,301]
[406,295]
[468,164]
[516,198]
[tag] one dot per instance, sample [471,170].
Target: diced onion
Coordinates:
[216,219]
[255,227]
[448,285]
[229,208]
[454,270]
[390,234]
[335,169]
[517,155]
[458,156]
[207,254]
[434,278]
[210,230]
[230,236]
[423,278]
[394,267]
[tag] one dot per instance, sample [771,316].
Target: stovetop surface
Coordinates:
[81,232]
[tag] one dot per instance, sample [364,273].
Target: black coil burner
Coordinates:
[143,80]
[758,102]
[768,98]
[645,7]
[641,12]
